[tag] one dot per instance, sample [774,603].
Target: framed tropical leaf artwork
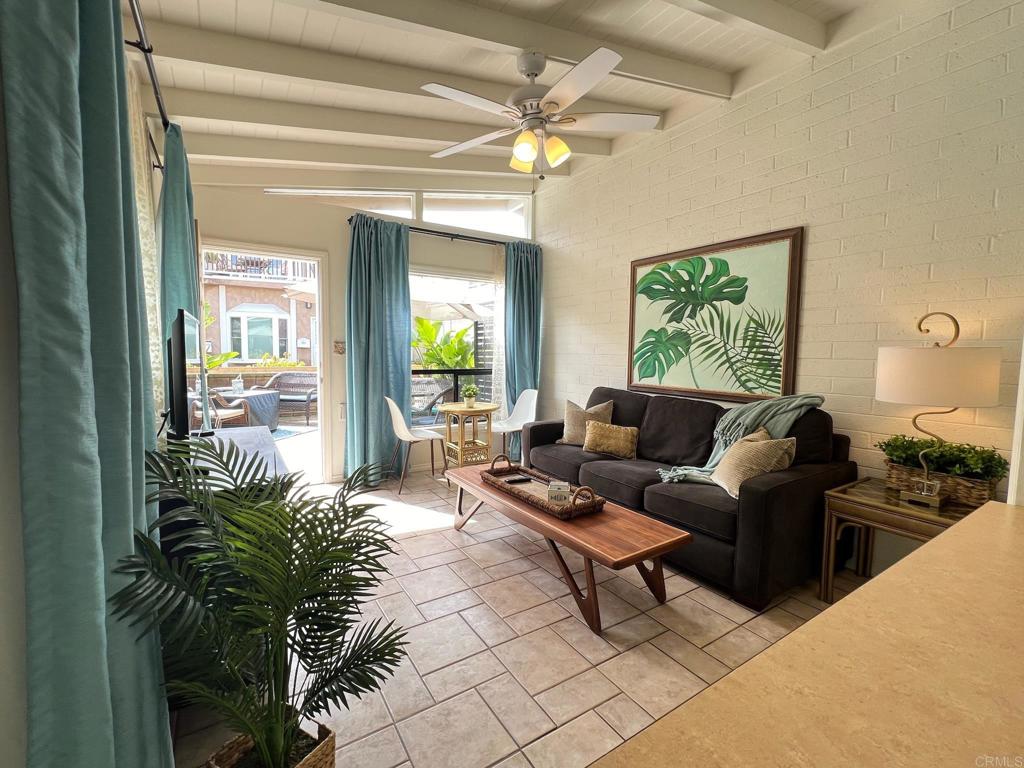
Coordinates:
[718,321]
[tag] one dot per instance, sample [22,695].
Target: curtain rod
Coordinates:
[449,235]
[146,48]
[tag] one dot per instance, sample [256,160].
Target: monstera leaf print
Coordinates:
[658,351]
[687,290]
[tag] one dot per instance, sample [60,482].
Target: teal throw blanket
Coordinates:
[776,415]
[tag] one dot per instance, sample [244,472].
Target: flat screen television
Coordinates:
[183,349]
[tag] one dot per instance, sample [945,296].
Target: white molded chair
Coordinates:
[523,412]
[411,435]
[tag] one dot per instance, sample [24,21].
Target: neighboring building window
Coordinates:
[236,335]
[259,330]
[260,334]
[501,214]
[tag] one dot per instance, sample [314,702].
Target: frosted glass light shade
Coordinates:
[556,151]
[518,165]
[526,146]
[946,377]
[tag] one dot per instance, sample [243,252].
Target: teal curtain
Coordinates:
[378,337]
[523,283]
[179,270]
[86,411]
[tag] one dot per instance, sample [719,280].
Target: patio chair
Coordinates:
[297,388]
[412,435]
[222,412]
[427,392]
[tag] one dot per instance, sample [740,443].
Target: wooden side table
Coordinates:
[467,432]
[868,505]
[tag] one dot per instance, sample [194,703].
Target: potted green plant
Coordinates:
[968,473]
[469,393]
[256,594]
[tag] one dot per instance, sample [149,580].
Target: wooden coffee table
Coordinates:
[616,537]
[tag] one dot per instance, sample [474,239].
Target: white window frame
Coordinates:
[276,322]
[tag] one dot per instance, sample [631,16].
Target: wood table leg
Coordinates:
[461,518]
[586,603]
[828,557]
[654,578]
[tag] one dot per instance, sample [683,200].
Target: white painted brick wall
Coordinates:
[902,152]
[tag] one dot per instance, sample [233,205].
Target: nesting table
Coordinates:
[467,432]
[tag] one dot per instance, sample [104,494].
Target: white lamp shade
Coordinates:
[945,377]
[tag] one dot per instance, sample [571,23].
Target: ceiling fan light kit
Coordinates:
[537,110]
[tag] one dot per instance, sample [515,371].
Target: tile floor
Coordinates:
[501,669]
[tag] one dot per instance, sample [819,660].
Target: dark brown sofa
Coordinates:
[753,547]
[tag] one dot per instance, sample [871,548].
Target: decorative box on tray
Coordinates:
[556,498]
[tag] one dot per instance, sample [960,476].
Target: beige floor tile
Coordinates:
[511,595]
[491,553]
[382,749]
[462,675]
[461,732]
[441,558]
[435,609]
[808,595]
[624,715]
[552,586]
[458,538]
[518,760]
[518,712]
[688,618]
[723,605]
[363,716]
[638,598]
[429,544]
[652,679]
[798,608]
[400,608]
[511,568]
[593,647]
[398,564]
[678,585]
[774,625]
[432,584]
[385,588]
[576,695]
[534,618]
[441,642]
[527,533]
[470,572]
[540,660]
[546,560]
[492,534]
[613,608]
[405,693]
[634,631]
[522,544]
[706,667]
[482,522]
[575,745]
[737,647]
[491,628]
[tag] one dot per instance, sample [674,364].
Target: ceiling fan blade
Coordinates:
[581,78]
[474,142]
[469,99]
[600,122]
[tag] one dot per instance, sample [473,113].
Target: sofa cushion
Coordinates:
[612,439]
[621,481]
[576,419]
[694,506]
[678,430]
[813,433]
[562,461]
[629,406]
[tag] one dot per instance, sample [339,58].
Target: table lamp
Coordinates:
[941,376]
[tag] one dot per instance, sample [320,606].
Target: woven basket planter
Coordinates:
[322,755]
[962,490]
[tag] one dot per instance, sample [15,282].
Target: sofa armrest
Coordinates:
[540,433]
[778,528]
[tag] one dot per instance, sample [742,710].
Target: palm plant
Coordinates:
[258,600]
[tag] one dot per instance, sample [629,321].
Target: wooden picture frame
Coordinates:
[718,321]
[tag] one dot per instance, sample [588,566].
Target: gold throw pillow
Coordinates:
[754,455]
[576,418]
[611,439]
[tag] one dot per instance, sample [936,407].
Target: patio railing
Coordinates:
[433,386]
[242,266]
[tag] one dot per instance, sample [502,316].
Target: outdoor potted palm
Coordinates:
[256,594]
[469,393]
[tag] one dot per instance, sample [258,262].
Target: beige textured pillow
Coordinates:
[576,418]
[752,456]
[611,439]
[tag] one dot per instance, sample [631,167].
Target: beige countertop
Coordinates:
[921,666]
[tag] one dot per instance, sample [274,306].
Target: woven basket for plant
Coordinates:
[963,490]
[322,755]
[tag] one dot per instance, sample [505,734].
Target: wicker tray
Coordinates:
[535,493]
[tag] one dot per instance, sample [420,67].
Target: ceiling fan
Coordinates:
[536,110]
